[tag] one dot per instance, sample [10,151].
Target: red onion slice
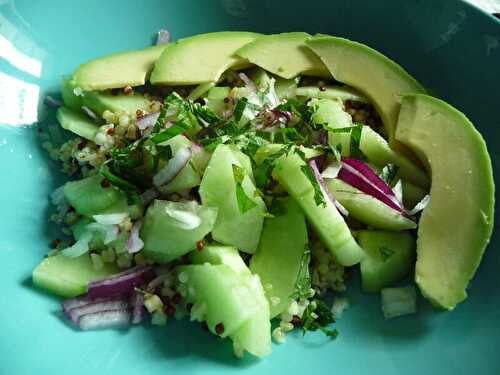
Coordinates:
[122,283]
[137,303]
[134,242]
[104,319]
[149,195]
[248,82]
[91,308]
[108,219]
[148,121]
[324,189]
[358,174]
[51,102]
[77,302]
[92,115]
[173,167]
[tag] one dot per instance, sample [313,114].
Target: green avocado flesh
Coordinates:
[325,219]
[168,231]
[201,58]
[382,80]
[69,277]
[279,256]
[117,70]
[456,226]
[101,101]
[367,209]
[218,189]
[77,123]
[70,100]
[284,55]
[389,257]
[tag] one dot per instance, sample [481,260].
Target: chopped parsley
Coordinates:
[319,197]
[318,316]
[245,203]
[389,172]
[303,282]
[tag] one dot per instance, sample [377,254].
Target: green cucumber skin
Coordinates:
[219,254]
[278,259]
[377,273]
[326,220]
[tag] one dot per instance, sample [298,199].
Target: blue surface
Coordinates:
[451,47]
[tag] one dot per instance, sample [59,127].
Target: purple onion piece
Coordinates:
[323,137]
[163,37]
[324,188]
[134,242]
[148,121]
[173,167]
[77,302]
[149,195]
[137,303]
[248,82]
[361,176]
[320,162]
[122,283]
[104,319]
[76,313]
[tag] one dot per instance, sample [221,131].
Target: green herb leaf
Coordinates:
[319,197]
[389,172]
[116,180]
[318,316]
[355,141]
[239,109]
[337,152]
[174,130]
[303,282]
[245,203]
[385,252]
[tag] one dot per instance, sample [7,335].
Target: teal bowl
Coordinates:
[453,48]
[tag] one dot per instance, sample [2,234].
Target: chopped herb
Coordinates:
[303,282]
[245,203]
[337,152]
[277,208]
[239,109]
[346,129]
[319,197]
[385,252]
[176,129]
[318,316]
[116,180]
[355,141]
[389,172]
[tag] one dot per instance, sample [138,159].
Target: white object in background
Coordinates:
[490,6]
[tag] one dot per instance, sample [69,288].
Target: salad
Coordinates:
[234,178]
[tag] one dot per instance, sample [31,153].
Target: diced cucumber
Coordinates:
[330,112]
[367,209]
[326,219]
[99,101]
[278,259]
[285,88]
[88,197]
[215,99]
[331,92]
[218,189]
[217,254]
[77,123]
[171,229]
[69,98]
[69,277]
[389,257]
[188,177]
[222,294]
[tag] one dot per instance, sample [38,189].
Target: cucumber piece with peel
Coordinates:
[218,189]
[218,254]
[367,209]
[88,197]
[390,256]
[69,277]
[77,123]
[278,259]
[325,219]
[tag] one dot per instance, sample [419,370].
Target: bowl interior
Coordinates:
[451,47]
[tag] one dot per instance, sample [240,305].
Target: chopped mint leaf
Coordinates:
[245,203]
[355,141]
[318,316]
[117,180]
[385,252]
[389,172]
[174,130]
[239,109]
[319,197]
[337,152]
[303,282]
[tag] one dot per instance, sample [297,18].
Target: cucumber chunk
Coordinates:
[326,219]
[88,197]
[69,277]
[278,259]
[217,254]
[331,92]
[367,209]
[100,101]
[218,189]
[70,100]
[77,123]
[171,229]
[389,257]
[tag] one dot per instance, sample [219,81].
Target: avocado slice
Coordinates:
[456,226]
[77,123]
[284,55]
[117,70]
[200,58]
[69,98]
[380,79]
[100,101]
